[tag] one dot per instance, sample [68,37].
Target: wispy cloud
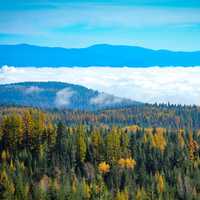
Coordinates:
[105,99]
[63,97]
[175,85]
[78,24]
[94,16]
[33,90]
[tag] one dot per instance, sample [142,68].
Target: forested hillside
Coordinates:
[148,152]
[145,115]
[49,95]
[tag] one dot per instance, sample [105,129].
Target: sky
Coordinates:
[177,85]
[156,24]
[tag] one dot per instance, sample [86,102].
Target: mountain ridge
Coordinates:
[50,95]
[100,45]
[25,55]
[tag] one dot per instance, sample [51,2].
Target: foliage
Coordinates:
[44,157]
[104,168]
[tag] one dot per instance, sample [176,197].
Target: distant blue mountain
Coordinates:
[98,55]
[50,95]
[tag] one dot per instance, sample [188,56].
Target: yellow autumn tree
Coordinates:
[21,166]
[128,163]
[12,167]
[104,167]
[193,147]
[181,141]
[44,183]
[12,132]
[141,194]
[148,130]
[122,163]
[133,128]
[158,140]
[160,182]
[86,190]
[4,155]
[28,128]
[122,195]
[7,184]
[148,136]
[74,183]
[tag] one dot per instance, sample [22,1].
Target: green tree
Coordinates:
[81,147]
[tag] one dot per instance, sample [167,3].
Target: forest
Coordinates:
[143,152]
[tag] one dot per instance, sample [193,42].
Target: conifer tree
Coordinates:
[81,144]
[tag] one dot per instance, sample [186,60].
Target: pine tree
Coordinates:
[28,129]
[181,141]
[96,142]
[81,144]
[113,145]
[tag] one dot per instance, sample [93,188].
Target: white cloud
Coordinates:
[177,85]
[33,89]
[63,97]
[105,99]
[41,22]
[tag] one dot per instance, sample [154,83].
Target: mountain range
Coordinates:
[51,95]
[24,55]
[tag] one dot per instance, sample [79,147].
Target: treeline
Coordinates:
[42,158]
[144,115]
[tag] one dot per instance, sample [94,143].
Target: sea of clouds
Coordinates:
[177,85]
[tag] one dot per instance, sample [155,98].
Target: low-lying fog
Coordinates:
[177,85]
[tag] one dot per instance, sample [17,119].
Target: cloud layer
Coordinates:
[175,85]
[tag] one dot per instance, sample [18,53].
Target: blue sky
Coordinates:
[157,24]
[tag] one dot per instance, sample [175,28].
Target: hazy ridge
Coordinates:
[98,55]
